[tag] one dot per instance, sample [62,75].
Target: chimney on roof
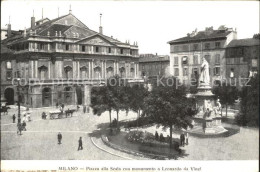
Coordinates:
[100,27]
[70,11]
[33,21]
[24,33]
[9,32]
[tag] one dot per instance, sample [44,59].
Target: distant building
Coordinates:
[242,58]
[187,52]
[151,65]
[62,58]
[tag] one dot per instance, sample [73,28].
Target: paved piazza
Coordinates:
[40,140]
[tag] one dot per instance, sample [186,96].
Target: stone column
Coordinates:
[49,69]
[117,67]
[135,66]
[105,71]
[87,95]
[137,71]
[102,69]
[32,69]
[89,70]
[114,70]
[36,69]
[78,70]
[92,68]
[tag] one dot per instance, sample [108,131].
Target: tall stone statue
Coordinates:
[204,75]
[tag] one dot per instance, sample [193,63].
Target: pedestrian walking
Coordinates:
[24,125]
[19,128]
[59,138]
[78,107]
[182,138]
[14,118]
[187,138]
[57,105]
[80,144]
[84,109]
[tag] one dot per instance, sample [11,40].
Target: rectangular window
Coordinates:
[185,48]
[83,48]
[195,47]
[97,49]
[217,44]
[254,62]
[8,75]
[207,46]
[237,60]
[207,57]
[176,71]
[185,71]
[217,71]
[195,59]
[195,71]
[217,59]
[121,51]
[109,50]
[176,61]
[67,47]
[185,60]
[176,48]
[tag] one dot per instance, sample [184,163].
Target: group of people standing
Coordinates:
[184,138]
[80,147]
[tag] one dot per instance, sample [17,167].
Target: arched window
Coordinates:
[68,72]
[132,72]
[84,72]
[97,72]
[43,72]
[122,72]
[110,72]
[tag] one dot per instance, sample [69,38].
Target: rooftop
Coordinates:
[208,33]
[153,58]
[244,42]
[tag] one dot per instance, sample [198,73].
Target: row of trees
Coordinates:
[117,96]
[165,105]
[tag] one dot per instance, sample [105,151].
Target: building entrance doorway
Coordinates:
[46,97]
[79,95]
[68,95]
[9,96]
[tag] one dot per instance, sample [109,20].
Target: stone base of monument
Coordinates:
[206,125]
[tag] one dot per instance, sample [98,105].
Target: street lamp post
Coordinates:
[18,91]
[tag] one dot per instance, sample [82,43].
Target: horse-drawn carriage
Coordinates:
[61,114]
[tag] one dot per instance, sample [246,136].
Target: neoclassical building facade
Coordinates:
[59,61]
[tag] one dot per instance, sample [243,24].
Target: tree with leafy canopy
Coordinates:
[138,94]
[116,87]
[169,107]
[100,101]
[249,105]
[226,94]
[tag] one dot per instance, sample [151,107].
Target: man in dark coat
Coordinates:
[80,144]
[182,138]
[59,138]
[14,118]
[84,109]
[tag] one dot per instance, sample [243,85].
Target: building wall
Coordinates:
[189,50]
[153,68]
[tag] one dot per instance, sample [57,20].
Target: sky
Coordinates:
[151,23]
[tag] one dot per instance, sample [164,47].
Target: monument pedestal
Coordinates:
[211,122]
